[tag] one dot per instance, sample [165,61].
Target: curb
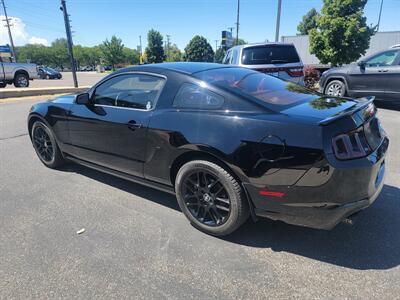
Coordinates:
[40,91]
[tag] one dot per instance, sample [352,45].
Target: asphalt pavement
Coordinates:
[137,243]
[84,79]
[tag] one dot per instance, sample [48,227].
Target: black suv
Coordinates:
[377,75]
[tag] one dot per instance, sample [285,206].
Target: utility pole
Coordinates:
[141,51]
[216,45]
[237,23]
[14,54]
[278,20]
[168,36]
[69,40]
[379,19]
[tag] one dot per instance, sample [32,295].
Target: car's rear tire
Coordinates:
[336,88]
[3,84]
[210,197]
[21,80]
[46,146]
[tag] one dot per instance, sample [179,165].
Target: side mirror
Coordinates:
[361,64]
[82,99]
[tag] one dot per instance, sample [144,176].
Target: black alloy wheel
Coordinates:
[206,198]
[45,145]
[210,197]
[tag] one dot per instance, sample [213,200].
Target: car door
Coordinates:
[370,78]
[392,90]
[111,130]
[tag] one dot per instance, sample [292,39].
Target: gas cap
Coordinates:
[271,147]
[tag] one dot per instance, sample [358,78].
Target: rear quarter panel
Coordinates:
[259,148]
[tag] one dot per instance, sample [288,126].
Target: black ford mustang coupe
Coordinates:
[229,142]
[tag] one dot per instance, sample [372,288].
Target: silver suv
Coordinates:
[277,59]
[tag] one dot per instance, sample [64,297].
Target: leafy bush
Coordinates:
[311,77]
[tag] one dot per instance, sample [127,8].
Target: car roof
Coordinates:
[181,67]
[264,44]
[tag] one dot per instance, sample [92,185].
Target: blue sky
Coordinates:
[95,20]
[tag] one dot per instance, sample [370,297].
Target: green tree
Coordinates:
[93,56]
[131,56]
[199,49]
[239,42]
[113,51]
[342,34]
[37,54]
[173,53]
[308,22]
[58,53]
[79,55]
[219,55]
[155,50]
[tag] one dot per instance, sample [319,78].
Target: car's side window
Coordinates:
[138,91]
[234,56]
[196,97]
[382,60]
[227,58]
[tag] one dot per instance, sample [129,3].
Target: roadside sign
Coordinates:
[227,40]
[5,49]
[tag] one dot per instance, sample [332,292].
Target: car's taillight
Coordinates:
[295,72]
[351,145]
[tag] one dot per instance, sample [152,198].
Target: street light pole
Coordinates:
[14,54]
[278,20]
[379,19]
[69,42]
[168,37]
[237,23]
[141,52]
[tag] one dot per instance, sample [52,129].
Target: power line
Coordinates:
[9,32]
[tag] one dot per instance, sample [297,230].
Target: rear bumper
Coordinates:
[320,217]
[324,196]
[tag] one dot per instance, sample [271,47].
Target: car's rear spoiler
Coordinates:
[363,103]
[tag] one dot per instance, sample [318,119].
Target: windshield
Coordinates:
[278,94]
[50,70]
[270,54]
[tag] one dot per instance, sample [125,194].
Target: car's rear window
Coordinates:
[278,94]
[270,54]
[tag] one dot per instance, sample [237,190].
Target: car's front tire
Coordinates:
[210,197]
[336,88]
[46,146]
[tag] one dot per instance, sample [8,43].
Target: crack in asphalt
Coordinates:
[13,137]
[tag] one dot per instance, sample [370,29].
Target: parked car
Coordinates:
[277,59]
[49,73]
[229,142]
[18,74]
[377,75]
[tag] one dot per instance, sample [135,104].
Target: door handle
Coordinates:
[383,70]
[133,125]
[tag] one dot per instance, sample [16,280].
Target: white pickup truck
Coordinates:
[18,74]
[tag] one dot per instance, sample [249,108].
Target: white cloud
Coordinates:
[19,33]
[38,40]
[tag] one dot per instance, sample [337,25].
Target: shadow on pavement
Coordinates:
[388,105]
[372,243]
[136,189]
